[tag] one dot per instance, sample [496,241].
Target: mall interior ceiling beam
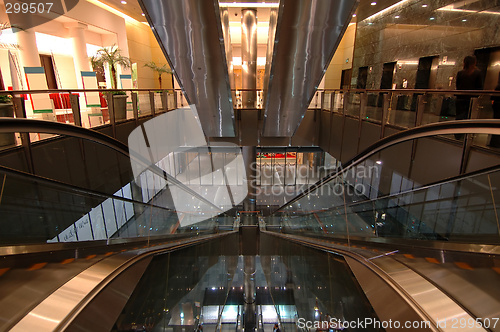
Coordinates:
[190,35]
[307,35]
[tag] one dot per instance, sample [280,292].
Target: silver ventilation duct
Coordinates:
[307,35]
[273,20]
[249,56]
[190,35]
[224,15]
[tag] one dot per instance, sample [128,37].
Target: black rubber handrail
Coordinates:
[73,188]
[433,129]
[14,125]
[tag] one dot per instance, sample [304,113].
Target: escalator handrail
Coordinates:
[484,171]
[70,187]
[99,275]
[433,129]
[9,125]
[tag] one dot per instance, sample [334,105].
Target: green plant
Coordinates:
[111,56]
[159,70]
[117,93]
[5,99]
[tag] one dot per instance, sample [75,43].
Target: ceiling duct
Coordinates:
[190,35]
[307,35]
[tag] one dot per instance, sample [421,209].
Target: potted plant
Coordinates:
[113,57]
[7,111]
[119,104]
[159,70]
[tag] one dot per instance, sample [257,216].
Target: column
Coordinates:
[249,56]
[28,50]
[82,63]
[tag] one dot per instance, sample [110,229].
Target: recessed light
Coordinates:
[353,15]
[124,2]
[143,14]
[432,19]
[464,20]
[424,6]
[397,16]
[373,3]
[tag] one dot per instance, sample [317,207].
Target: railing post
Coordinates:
[345,102]
[385,113]
[111,111]
[20,112]
[75,108]
[164,100]
[332,101]
[474,108]
[421,101]
[135,108]
[152,102]
[363,101]
[175,100]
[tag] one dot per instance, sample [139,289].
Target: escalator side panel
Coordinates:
[386,302]
[101,313]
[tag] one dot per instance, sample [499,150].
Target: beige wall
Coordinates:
[144,48]
[344,51]
[135,40]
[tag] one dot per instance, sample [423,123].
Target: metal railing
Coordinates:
[381,106]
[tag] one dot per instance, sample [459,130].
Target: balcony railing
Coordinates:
[401,109]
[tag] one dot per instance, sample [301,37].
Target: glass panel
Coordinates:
[143,103]
[402,110]
[374,107]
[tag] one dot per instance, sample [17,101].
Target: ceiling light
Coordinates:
[124,2]
[424,6]
[451,8]
[373,3]
[464,20]
[249,4]
[397,4]
[397,16]
[353,15]
[143,14]
[432,19]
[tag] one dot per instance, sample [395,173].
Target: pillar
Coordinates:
[82,63]
[249,56]
[249,203]
[28,50]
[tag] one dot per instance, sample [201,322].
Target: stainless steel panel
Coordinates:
[224,16]
[249,56]
[190,35]
[431,304]
[307,35]
[273,20]
[380,295]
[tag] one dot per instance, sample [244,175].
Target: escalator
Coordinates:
[338,262]
[445,231]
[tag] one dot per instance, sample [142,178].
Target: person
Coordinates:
[276,328]
[495,139]
[199,328]
[469,78]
